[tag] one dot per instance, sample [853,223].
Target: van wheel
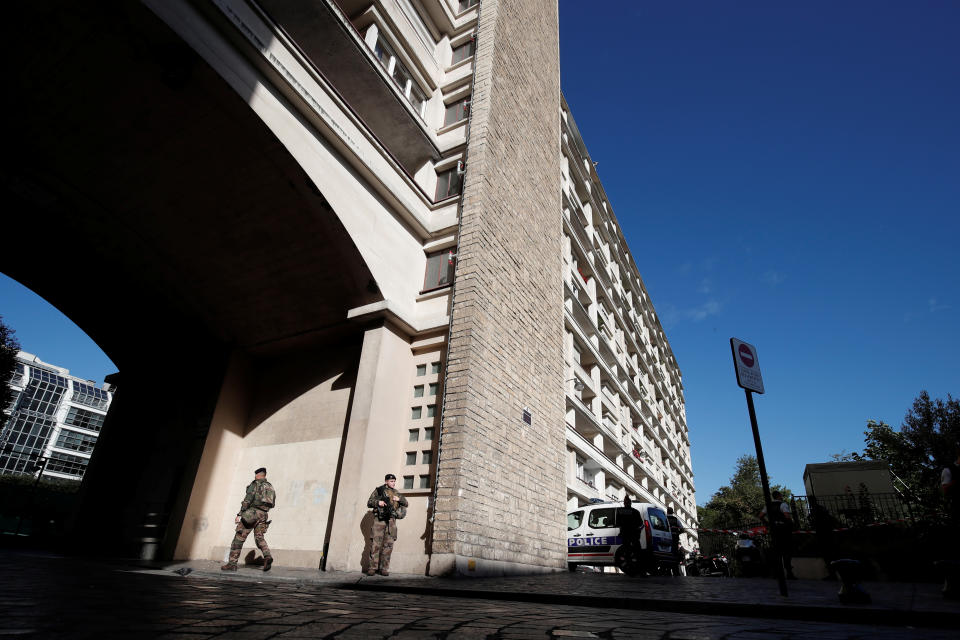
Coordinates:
[571,566]
[628,561]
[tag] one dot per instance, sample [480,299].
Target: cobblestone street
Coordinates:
[48,596]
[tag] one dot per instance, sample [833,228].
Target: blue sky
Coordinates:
[50,335]
[788,174]
[785,173]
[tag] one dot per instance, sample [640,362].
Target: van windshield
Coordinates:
[574,519]
[602,518]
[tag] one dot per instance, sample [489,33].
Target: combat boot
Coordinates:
[267,562]
[384,572]
[230,566]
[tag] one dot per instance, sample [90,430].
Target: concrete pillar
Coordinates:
[370,450]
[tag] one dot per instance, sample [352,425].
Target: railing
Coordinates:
[848,510]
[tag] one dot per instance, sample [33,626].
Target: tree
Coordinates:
[739,502]
[8,362]
[926,442]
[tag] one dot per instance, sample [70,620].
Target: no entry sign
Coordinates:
[747,365]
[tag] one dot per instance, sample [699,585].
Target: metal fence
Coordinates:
[849,510]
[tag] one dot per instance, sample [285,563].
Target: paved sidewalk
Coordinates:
[51,596]
[894,603]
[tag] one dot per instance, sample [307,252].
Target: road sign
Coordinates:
[747,365]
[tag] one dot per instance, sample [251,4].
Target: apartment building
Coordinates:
[53,422]
[626,423]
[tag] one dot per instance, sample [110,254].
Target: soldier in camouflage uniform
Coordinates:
[385,501]
[260,498]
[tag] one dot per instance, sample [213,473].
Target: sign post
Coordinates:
[747,365]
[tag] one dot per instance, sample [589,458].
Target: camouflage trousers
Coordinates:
[382,536]
[259,529]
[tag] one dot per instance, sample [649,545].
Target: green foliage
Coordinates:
[741,501]
[926,442]
[8,361]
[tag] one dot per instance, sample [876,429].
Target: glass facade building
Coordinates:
[54,417]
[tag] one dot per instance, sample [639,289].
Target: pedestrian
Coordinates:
[950,485]
[630,522]
[388,505]
[259,499]
[676,527]
[781,529]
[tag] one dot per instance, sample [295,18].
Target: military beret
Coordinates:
[260,470]
[389,476]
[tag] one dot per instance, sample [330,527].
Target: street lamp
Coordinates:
[577,385]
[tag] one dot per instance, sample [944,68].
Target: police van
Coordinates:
[594,537]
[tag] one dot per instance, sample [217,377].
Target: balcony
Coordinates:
[332,45]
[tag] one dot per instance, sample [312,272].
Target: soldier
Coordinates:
[260,498]
[385,501]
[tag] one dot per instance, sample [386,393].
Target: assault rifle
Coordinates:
[386,512]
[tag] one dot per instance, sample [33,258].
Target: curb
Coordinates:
[844,615]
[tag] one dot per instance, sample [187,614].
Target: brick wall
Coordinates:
[501,490]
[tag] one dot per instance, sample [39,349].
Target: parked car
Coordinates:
[594,537]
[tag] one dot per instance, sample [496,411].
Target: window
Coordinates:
[431,410]
[90,396]
[401,76]
[428,433]
[417,98]
[418,391]
[457,111]
[435,367]
[65,463]
[449,183]
[658,520]
[408,482]
[440,269]
[424,482]
[76,441]
[580,465]
[464,51]
[25,434]
[427,457]
[433,388]
[383,52]
[42,393]
[415,412]
[414,435]
[411,457]
[602,518]
[574,519]
[421,370]
[467,4]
